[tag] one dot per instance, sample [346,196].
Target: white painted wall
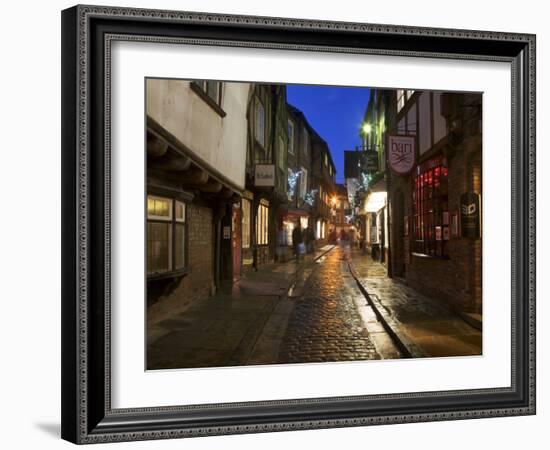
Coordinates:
[219,141]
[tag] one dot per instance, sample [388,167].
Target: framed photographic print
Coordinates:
[261,224]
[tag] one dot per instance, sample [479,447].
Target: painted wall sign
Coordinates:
[470,215]
[264,175]
[401,153]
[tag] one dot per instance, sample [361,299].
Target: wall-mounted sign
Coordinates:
[264,175]
[470,215]
[401,153]
[227,232]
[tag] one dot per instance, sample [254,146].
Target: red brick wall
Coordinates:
[175,295]
[457,280]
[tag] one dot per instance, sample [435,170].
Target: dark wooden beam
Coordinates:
[170,161]
[194,176]
[210,187]
[156,146]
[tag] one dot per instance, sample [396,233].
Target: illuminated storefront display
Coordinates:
[431,208]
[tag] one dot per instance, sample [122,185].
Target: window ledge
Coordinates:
[198,90]
[423,255]
[167,275]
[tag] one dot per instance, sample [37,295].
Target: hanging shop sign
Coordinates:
[470,215]
[264,175]
[370,162]
[401,153]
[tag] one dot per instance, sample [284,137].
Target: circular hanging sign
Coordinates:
[401,153]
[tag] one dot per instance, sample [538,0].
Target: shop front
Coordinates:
[290,219]
[376,222]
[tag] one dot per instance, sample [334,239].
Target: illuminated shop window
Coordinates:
[431,209]
[166,235]
[262,224]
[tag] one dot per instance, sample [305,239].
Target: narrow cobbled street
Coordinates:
[325,324]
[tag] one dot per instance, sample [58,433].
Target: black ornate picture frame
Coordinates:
[87,35]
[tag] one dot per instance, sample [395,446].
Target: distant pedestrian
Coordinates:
[298,242]
[344,243]
[282,243]
[310,239]
[352,238]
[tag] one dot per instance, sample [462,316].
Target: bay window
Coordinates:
[166,235]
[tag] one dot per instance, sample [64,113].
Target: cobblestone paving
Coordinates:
[325,324]
[424,322]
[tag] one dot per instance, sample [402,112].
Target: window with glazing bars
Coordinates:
[166,235]
[431,210]
[211,88]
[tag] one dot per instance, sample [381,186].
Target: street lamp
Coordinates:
[367,128]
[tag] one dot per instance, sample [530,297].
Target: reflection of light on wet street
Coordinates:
[325,324]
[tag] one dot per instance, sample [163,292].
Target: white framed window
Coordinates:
[281,153]
[305,141]
[211,88]
[259,122]
[290,131]
[303,183]
[166,235]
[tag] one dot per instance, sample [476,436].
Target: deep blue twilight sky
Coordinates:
[335,113]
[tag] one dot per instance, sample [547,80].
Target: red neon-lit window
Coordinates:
[430,201]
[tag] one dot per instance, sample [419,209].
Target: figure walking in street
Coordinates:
[298,242]
[310,239]
[344,244]
[282,243]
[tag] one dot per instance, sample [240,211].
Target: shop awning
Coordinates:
[295,213]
